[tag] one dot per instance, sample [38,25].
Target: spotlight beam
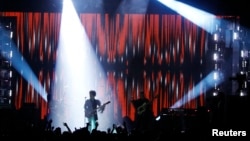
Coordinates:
[21,65]
[205,20]
[77,72]
[206,83]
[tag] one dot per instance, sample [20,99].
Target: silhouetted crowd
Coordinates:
[14,127]
[197,124]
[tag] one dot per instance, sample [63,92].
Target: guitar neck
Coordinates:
[91,113]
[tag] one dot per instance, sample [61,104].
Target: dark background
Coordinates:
[217,7]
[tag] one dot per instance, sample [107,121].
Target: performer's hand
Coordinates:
[65,124]
[102,108]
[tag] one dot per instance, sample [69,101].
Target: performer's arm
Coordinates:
[102,107]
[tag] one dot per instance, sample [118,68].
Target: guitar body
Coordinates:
[89,114]
[141,109]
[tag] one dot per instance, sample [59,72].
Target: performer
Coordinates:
[91,107]
[144,117]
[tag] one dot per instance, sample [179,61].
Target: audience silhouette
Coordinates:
[197,125]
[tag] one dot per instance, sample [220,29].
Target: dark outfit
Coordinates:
[90,108]
[144,117]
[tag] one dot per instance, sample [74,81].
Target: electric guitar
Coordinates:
[141,109]
[92,112]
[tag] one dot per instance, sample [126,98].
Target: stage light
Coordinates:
[78,71]
[216,37]
[215,57]
[208,82]
[216,75]
[215,93]
[243,92]
[7,54]
[244,53]
[235,35]
[10,93]
[5,73]
[199,17]
[13,58]
[158,118]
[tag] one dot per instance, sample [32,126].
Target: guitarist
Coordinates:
[144,117]
[91,107]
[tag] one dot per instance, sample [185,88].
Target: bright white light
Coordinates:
[215,93]
[207,83]
[158,118]
[11,34]
[215,56]
[235,35]
[10,93]
[201,18]
[243,93]
[11,54]
[14,58]
[244,53]
[216,75]
[242,72]
[77,72]
[216,37]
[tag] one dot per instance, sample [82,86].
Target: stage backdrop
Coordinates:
[162,54]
